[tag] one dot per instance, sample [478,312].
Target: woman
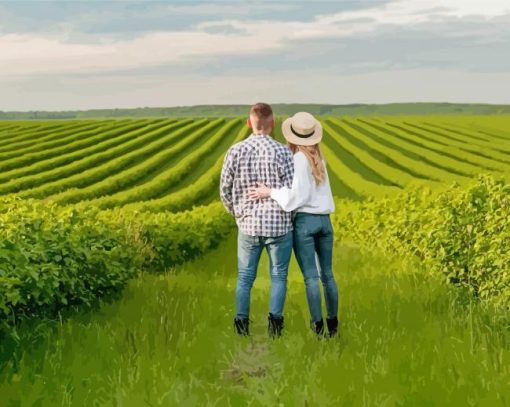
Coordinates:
[311,199]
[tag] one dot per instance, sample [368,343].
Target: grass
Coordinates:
[405,339]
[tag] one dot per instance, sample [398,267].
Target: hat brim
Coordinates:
[301,141]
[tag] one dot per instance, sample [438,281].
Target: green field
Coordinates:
[405,340]
[173,164]
[112,295]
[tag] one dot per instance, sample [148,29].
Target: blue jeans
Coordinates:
[313,247]
[249,249]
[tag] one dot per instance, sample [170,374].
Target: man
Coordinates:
[261,223]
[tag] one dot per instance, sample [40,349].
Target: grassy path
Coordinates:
[406,339]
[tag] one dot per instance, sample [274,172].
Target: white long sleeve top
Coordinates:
[305,195]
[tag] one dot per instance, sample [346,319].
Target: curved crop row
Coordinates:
[63,167]
[55,141]
[470,132]
[192,194]
[377,142]
[465,141]
[6,130]
[477,155]
[459,132]
[124,179]
[486,161]
[412,150]
[346,131]
[361,186]
[117,159]
[396,176]
[115,164]
[351,161]
[160,184]
[26,129]
[431,153]
[55,135]
[497,127]
[69,164]
[170,165]
[31,158]
[207,160]
[58,136]
[458,158]
[33,135]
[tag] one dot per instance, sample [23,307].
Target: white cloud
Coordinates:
[218,9]
[29,54]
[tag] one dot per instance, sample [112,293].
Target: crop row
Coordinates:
[375,142]
[115,160]
[17,162]
[54,139]
[120,141]
[476,157]
[123,180]
[193,194]
[42,133]
[114,137]
[173,164]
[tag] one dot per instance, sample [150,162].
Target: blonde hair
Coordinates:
[315,158]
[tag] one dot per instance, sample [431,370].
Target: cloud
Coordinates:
[29,54]
[393,51]
[215,9]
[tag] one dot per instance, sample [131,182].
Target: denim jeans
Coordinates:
[313,247]
[249,250]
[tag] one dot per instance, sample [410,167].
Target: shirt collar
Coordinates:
[253,135]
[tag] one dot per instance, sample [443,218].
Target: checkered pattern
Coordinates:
[259,158]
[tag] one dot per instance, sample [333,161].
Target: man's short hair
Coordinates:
[261,110]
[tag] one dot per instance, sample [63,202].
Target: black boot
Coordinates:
[332,326]
[242,326]
[275,326]
[318,327]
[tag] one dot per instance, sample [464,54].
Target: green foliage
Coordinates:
[404,341]
[52,257]
[463,233]
[174,238]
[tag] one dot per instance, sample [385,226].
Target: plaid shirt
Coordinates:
[259,158]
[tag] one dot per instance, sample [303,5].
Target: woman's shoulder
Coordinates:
[300,157]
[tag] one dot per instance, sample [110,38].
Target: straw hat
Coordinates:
[302,129]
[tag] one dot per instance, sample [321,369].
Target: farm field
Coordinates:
[118,267]
[169,341]
[173,164]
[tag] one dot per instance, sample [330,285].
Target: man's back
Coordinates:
[259,158]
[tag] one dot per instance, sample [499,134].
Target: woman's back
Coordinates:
[306,194]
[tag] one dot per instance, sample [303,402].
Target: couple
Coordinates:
[281,199]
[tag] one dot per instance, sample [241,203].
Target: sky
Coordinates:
[58,55]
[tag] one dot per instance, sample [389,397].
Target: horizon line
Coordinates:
[249,104]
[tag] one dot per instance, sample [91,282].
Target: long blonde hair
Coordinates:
[315,158]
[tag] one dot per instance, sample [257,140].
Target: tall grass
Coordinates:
[405,339]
